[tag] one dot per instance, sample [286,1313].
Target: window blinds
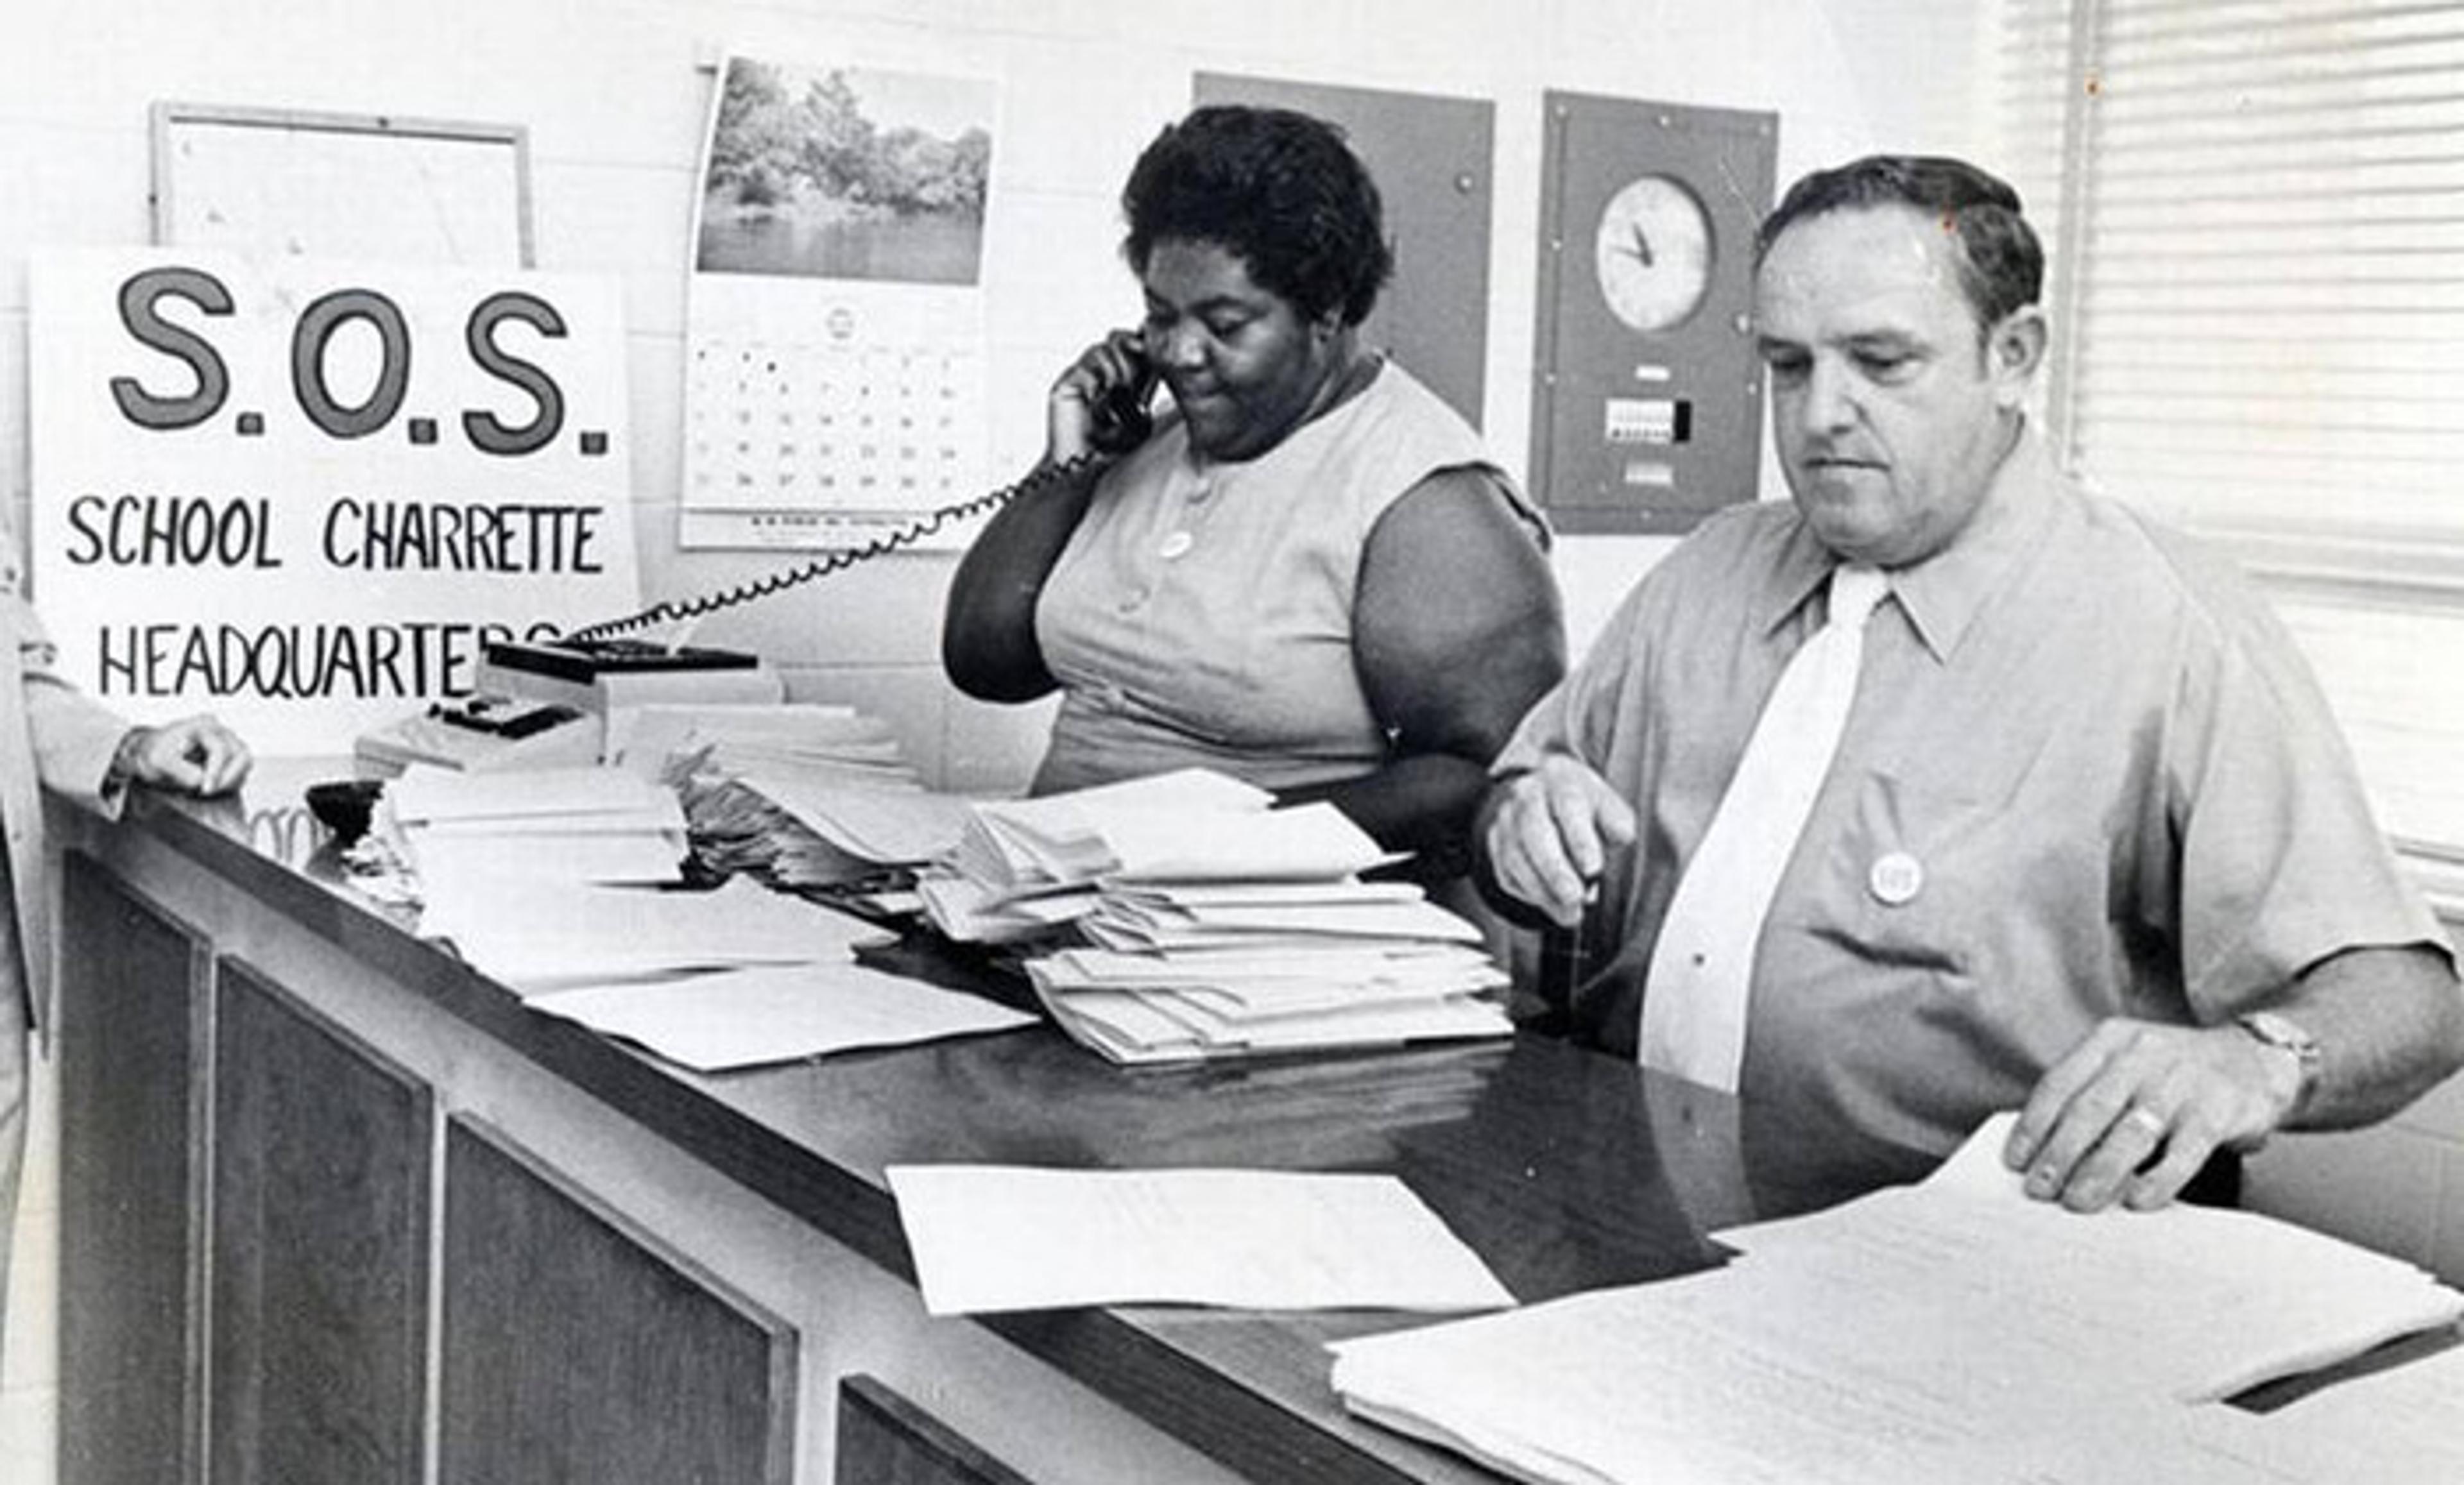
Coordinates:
[2256,209]
[2254,216]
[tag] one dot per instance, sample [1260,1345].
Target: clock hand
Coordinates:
[1641,248]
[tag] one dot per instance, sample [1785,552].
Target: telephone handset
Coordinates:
[1121,417]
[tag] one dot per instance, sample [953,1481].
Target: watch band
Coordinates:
[2274,1030]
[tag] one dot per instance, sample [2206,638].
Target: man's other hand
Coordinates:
[1550,832]
[2135,1110]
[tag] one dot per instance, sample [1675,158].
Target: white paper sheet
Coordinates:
[748,1018]
[535,936]
[995,1238]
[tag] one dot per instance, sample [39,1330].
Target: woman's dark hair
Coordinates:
[2001,267]
[1279,190]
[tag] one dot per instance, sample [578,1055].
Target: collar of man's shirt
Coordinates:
[1943,595]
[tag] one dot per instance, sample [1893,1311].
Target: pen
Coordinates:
[1565,953]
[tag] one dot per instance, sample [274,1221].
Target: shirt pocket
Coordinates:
[1919,878]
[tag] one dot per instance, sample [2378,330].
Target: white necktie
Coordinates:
[1703,965]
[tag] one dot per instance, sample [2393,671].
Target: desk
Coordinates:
[335,1205]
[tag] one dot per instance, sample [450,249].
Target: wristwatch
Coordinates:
[2285,1035]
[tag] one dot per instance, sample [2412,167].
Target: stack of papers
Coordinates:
[561,824]
[1954,1330]
[1272,989]
[1251,932]
[1021,868]
[1210,924]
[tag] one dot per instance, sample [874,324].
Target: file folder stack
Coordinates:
[1208,924]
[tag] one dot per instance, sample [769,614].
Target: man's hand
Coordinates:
[194,755]
[1549,833]
[2137,1090]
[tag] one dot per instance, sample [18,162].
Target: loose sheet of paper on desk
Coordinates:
[1003,1237]
[779,1013]
[535,936]
[1950,1331]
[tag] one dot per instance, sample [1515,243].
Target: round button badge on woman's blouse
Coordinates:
[1177,546]
[1896,879]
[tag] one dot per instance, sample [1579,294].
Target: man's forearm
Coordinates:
[2390,1024]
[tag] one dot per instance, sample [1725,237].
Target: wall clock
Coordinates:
[1653,252]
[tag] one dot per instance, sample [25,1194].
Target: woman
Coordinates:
[1310,576]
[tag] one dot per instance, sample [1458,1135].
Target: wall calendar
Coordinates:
[835,365]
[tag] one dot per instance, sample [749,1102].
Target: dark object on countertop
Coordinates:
[343,807]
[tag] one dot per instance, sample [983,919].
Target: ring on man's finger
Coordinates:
[2147,1121]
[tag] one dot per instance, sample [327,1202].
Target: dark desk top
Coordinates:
[1566,1170]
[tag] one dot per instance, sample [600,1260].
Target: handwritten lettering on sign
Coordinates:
[306,493]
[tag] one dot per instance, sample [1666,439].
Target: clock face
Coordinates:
[1653,252]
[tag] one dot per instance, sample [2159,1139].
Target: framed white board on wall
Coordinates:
[342,184]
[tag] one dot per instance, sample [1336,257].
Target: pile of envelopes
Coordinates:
[1203,922]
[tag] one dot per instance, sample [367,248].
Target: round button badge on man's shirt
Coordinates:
[1896,879]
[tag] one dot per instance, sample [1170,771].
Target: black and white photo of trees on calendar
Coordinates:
[834,381]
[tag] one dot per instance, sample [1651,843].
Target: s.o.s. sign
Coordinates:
[304,493]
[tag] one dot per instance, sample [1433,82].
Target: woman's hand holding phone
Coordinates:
[1099,405]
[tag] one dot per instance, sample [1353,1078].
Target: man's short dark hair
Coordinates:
[2001,266]
[1280,190]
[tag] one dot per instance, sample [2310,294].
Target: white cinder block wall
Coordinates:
[613,93]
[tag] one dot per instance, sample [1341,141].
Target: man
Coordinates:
[52,736]
[2088,844]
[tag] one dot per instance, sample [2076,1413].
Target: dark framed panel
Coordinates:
[319,1267]
[886,1439]
[131,1018]
[578,1347]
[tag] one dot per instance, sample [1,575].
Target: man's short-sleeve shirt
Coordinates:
[2087,775]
